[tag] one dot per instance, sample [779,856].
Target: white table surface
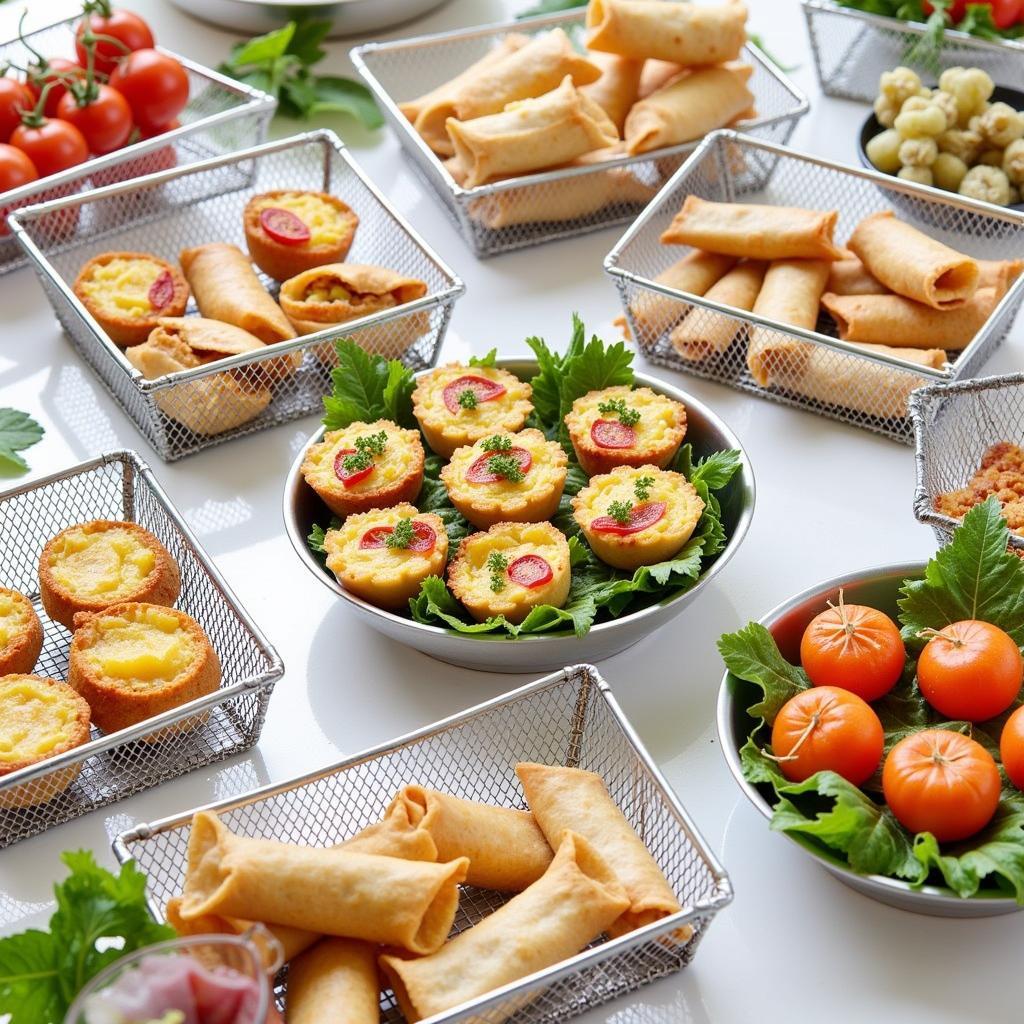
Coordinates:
[795,945]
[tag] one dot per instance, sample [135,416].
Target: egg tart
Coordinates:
[457,405]
[87,567]
[383,556]
[127,292]
[136,660]
[21,633]
[288,232]
[507,478]
[624,426]
[510,569]
[637,516]
[39,719]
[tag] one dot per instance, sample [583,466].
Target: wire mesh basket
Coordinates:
[120,486]
[567,718]
[184,412]
[813,370]
[222,115]
[502,216]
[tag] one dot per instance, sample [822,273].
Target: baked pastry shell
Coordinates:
[20,654]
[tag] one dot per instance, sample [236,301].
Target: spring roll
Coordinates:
[657,73]
[682,33]
[576,899]
[356,895]
[335,982]
[615,91]
[568,799]
[998,274]
[851,277]
[912,264]
[758,232]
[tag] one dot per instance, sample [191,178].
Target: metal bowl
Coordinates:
[705,431]
[879,588]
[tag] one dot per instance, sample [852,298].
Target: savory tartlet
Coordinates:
[39,719]
[507,478]
[510,569]
[637,516]
[89,566]
[288,232]
[457,405]
[383,556]
[128,292]
[135,660]
[365,466]
[624,426]
[21,633]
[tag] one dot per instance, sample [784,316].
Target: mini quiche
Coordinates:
[135,660]
[87,567]
[624,426]
[288,232]
[39,719]
[365,466]
[383,556]
[457,405]
[637,516]
[21,633]
[128,292]
[511,569]
[507,478]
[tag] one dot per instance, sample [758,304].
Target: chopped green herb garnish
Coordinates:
[467,398]
[630,417]
[401,536]
[366,448]
[506,466]
[621,511]
[497,443]
[497,563]
[642,487]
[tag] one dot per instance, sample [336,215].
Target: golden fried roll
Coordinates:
[656,74]
[21,633]
[998,274]
[615,91]
[913,264]
[851,277]
[336,981]
[575,900]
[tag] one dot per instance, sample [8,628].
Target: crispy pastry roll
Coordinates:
[851,277]
[695,273]
[335,982]
[567,800]
[998,274]
[616,90]
[575,900]
[657,73]
[756,231]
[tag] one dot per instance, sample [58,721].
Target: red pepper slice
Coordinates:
[349,477]
[612,434]
[423,537]
[485,390]
[161,291]
[641,517]
[283,226]
[480,472]
[530,571]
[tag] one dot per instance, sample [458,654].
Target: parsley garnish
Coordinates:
[366,448]
[621,511]
[401,536]
[630,417]
[506,466]
[497,563]
[642,487]
[467,398]
[496,444]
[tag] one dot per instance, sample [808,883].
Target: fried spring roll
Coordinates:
[335,982]
[695,273]
[615,91]
[998,274]
[851,277]
[657,73]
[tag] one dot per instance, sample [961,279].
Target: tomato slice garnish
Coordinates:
[346,476]
[640,518]
[530,571]
[283,226]
[161,291]
[423,537]
[612,434]
[480,472]
[485,390]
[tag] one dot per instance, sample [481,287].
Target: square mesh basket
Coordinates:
[812,370]
[499,217]
[108,768]
[852,48]
[187,411]
[222,115]
[567,718]
[954,424]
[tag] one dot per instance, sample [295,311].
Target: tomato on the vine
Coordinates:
[104,119]
[155,86]
[1011,747]
[118,32]
[51,144]
[16,169]
[14,98]
[54,73]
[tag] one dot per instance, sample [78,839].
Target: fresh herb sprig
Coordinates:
[497,443]
[368,447]
[497,563]
[617,407]
[402,534]
[642,487]
[621,511]
[18,431]
[468,399]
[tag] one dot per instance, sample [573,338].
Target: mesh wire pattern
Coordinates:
[852,48]
[502,217]
[221,116]
[809,370]
[203,203]
[120,486]
[568,718]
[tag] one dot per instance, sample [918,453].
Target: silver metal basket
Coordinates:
[120,485]
[222,115]
[729,167]
[953,426]
[167,212]
[567,718]
[496,218]
[852,48]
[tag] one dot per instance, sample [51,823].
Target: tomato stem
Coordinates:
[933,634]
[813,724]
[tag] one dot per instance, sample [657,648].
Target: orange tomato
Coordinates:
[941,782]
[1011,747]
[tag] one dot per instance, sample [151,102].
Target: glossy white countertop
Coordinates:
[795,945]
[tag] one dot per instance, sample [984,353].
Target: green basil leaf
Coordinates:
[345,96]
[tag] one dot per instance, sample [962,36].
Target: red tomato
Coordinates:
[855,648]
[530,571]
[15,170]
[284,226]
[125,32]
[480,471]
[1011,747]
[641,517]
[827,729]
[970,670]
[105,122]
[482,389]
[941,782]
[1005,13]
[52,146]
[52,70]
[155,86]
[612,434]
[14,98]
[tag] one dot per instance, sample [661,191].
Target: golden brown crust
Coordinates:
[21,652]
[1000,475]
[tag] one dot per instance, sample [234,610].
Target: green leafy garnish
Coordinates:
[506,466]
[621,511]
[497,563]
[497,443]
[642,487]
[18,431]
[402,534]
[467,399]
[368,446]
[617,406]
[366,388]
[488,359]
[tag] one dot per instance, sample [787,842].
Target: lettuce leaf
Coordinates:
[751,654]
[368,387]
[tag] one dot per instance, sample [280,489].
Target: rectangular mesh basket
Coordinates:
[567,718]
[222,115]
[852,48]
[867,390]
[109,768]
[184,412]
[498,217]
[954,424]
